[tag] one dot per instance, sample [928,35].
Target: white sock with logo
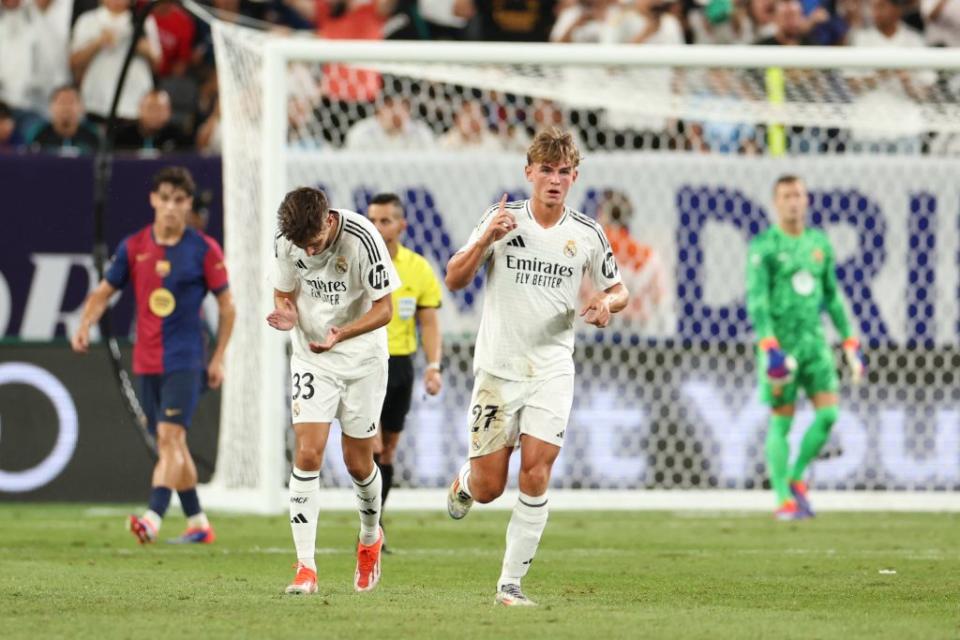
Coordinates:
[304,510]
[368,504]
[523,537]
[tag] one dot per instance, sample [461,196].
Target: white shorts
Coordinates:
[501,410]
[318,396]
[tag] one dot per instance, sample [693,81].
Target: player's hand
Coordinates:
[502,224]
[80,341]
[215,373]
[284,317]
[333,337]
[597,310]
[780,366]
[432,381]
[855,361]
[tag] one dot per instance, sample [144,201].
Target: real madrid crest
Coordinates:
[163,268]
[296,409]
[341,265]
[570,250]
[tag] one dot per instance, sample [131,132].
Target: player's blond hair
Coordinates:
[553,146]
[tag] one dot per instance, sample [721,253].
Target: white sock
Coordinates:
[304,509]
[153,518]
[198,521]
[523,537]
[464,475]
[368,504]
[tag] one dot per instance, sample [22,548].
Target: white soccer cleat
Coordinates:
[509,595]
[458,502]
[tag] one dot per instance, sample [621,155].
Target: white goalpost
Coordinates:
[684,143]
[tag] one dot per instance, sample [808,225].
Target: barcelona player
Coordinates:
[790,281]
[171,267]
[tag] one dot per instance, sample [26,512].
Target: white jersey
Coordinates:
[335,288]
[533,282]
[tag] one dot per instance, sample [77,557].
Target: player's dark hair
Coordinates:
[176,177]
[388,198]
[787,178]
[302,215]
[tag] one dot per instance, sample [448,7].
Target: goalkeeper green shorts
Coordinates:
[816,373]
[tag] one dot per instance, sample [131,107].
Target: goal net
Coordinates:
[681,148]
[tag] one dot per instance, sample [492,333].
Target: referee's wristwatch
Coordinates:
[435,366]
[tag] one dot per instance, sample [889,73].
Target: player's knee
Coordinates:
[486,491]
[827,416]
[535,479]
[308,458]
[386,456]
[168,443]
[359,469]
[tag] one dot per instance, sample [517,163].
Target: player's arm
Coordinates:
[284,316]
[463,266]
[93,309]
[601,306]
[228,314]
[780,366]
[833,302]
[378,315]
[429,321]
[758,292]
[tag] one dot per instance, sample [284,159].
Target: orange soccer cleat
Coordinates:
[368,565]
[305,581]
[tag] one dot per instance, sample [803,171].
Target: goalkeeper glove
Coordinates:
[854,357]
[780,365]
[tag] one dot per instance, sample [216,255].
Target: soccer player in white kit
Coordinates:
[333,278]
[537,252]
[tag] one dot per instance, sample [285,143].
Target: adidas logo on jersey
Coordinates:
[517,242]
[301,265]
[299,519]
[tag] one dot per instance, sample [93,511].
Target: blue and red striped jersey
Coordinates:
[169,284]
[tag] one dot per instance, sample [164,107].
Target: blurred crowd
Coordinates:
[59,60]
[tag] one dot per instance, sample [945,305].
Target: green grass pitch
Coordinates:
[70,571]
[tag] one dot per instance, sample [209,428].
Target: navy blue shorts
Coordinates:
[171,397]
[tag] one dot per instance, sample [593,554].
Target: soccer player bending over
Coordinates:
[790,280]
[332,283]
[536,252]
[171,267]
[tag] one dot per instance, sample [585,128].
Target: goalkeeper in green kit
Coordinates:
[790,282]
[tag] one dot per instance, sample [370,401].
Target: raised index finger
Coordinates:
[503,204]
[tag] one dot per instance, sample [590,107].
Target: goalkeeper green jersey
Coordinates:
[791,280]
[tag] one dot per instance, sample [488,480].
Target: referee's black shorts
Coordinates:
[396,404]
